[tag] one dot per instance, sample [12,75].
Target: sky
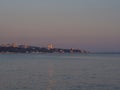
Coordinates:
[93,25]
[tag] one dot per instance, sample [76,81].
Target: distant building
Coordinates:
[14,45]
[3,45]
[8,45]
[23,46]
[71,50]
[50,46]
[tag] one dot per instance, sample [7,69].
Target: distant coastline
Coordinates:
[13,48]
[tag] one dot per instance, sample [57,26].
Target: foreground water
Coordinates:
[59,72]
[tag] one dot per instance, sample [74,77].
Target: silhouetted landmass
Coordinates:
[34,49]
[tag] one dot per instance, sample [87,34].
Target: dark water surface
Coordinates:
[59,72]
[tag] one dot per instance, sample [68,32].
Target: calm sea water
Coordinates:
[59,72]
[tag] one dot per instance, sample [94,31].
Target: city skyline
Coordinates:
[87,24]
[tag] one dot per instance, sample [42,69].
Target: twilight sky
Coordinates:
[87,24]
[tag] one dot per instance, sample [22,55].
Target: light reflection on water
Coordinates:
[51,81]
[59,72]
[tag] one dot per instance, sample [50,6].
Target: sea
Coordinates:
[60,71]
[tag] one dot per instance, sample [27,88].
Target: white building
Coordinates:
[50,46]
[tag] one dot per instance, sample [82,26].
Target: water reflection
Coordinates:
[51,81]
